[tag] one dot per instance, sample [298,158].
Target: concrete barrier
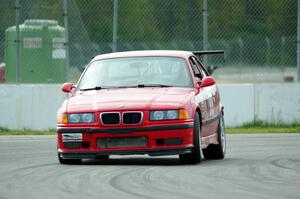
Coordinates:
[238,102]
[271,103]
[277,103]
[34,106]
[29,106]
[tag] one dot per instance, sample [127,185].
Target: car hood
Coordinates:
[130,99]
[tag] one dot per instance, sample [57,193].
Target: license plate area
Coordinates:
[105,143]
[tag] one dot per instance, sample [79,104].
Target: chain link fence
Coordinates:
[259,37]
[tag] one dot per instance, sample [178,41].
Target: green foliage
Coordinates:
[4,129]
[154,20]
[253,32]
[148,20]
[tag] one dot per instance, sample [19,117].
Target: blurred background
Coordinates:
[51,41]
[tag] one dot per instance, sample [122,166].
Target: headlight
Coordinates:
[164,115]
[74,118]
[172,115]
[87,118]
[81,118]
[157,115]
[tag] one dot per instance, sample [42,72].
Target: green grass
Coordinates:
[4,131]
[259,127]
[241,130]
[250,128]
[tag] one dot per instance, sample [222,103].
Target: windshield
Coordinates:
[136,72]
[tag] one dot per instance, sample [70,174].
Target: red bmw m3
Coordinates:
[142,102]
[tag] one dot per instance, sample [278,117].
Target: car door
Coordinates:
[207,100]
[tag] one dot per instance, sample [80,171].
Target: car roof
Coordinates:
[145,53]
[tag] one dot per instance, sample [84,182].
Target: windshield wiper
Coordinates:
[139,86]
[93,88]
[152,85]
[104,87]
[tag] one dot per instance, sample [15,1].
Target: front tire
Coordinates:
[195,156]
[68,161]
[217,151]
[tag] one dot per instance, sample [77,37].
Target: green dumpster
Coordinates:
[42,52]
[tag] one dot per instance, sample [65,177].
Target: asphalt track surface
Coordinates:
[256,166]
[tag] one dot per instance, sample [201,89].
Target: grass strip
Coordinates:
[4,131]
[259,127]
[257,130]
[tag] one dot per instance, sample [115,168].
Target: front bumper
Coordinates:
[151,152]
[161,140]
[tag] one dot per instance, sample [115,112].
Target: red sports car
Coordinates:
[142,102]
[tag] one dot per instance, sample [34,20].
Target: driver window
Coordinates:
[197,73]
[202,70]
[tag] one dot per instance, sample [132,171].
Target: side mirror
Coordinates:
[207,81]
[67,87]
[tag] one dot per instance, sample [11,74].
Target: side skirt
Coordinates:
[211,139]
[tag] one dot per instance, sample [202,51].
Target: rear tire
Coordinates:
[68,161]
[195,156]
[217,151]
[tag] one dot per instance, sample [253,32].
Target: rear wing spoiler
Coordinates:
[207,52]
[199,54]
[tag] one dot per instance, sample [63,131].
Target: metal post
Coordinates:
[298,43]
[66,25]
[115,26]
[268,53]
[241,45]
[282,50]
[205,30]
[17,41]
